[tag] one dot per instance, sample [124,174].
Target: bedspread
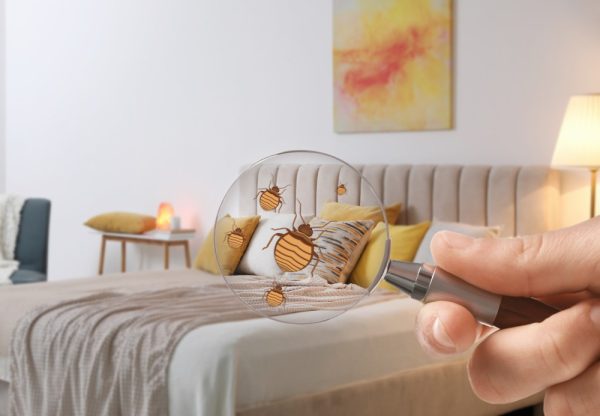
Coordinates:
[109,353]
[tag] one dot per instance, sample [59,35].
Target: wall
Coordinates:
[119,105]
[2,99]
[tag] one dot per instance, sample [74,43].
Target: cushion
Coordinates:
[27,276]
[122,222]
[233,237]
[405,240]
[424,253]
[335,211]
[339,246]
[262,262]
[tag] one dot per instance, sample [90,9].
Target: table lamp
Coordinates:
[579,139]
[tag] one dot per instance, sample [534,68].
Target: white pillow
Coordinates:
[424,252]
[262,262]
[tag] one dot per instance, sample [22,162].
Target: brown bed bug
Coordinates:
[295,249]
[341,189]
[235,238]
[270,199]
[275,296]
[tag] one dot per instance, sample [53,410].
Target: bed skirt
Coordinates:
[414,392]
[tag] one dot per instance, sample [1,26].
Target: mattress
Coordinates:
[221,368]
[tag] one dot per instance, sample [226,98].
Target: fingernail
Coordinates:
[595,314]
[456,240]
[441,335]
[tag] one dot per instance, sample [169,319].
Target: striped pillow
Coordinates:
[340,247]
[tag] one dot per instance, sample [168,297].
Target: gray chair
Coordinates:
[32,242]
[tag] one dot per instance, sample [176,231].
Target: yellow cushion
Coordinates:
[233,236]
[405,243]
[122,222]
[335,211]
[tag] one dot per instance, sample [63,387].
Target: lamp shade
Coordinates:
[579,139]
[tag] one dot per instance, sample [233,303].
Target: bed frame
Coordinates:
[523,200]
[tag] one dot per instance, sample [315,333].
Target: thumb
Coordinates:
[565,260]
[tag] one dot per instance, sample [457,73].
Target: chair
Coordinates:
[32,242]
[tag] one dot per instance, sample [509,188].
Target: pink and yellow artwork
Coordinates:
[392,65]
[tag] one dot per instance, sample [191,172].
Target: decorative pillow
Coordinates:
[233,236]
[335,211]
[262,262]
[405,240]
[424,252]
[339,245]
[122,222]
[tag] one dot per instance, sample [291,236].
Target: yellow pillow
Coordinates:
[405,243]
[335,211]
[122,222]
[233,236]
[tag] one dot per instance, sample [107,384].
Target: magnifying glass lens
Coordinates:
[310,234]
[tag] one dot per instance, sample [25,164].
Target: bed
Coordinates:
[366,360]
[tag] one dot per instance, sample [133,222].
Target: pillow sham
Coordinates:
[335,211]
[122,222]
[339,245]
[424,253]
[405,240]
[262,262]
[233,236]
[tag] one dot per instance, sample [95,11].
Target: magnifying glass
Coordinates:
[297,264]
[308,259]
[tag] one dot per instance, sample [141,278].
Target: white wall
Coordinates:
[2,99]
[121,104]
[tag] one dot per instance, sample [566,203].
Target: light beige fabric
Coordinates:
[77,355]
[523,200]
[405,393]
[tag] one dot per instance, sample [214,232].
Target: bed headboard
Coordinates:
[523,200]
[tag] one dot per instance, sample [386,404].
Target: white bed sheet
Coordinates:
[219,368]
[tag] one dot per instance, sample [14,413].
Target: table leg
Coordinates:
[102,253]
[123,256]
[188,260]
[166,256]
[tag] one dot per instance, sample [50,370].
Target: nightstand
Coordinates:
[166,243]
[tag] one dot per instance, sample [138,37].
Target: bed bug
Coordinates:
[341,189]
[270,199]
[275,296]
[295,249]
[235,238]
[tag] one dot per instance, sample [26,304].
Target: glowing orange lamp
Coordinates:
[165,214]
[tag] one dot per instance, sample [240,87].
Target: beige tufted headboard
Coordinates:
[523,200]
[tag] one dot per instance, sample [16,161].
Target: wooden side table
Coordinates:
[143,239]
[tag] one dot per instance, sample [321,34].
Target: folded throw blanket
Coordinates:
[10,218]
[108,354]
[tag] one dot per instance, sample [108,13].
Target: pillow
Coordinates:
[424,252]
[122,222]
[233,236]
[262,262]
[405,240]
[340,245]
[335,211]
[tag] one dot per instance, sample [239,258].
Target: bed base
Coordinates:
[413,392]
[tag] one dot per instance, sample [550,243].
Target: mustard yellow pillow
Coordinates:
[405,243]
[233,236]
[122,222]
[335,211]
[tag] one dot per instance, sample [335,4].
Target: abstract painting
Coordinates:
[392,65]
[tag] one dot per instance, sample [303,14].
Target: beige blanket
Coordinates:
[109,353]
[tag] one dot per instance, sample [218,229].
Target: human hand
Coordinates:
[560,355]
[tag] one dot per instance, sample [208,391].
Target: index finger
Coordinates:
[565,260]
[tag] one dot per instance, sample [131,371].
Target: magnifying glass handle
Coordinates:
[427,283]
